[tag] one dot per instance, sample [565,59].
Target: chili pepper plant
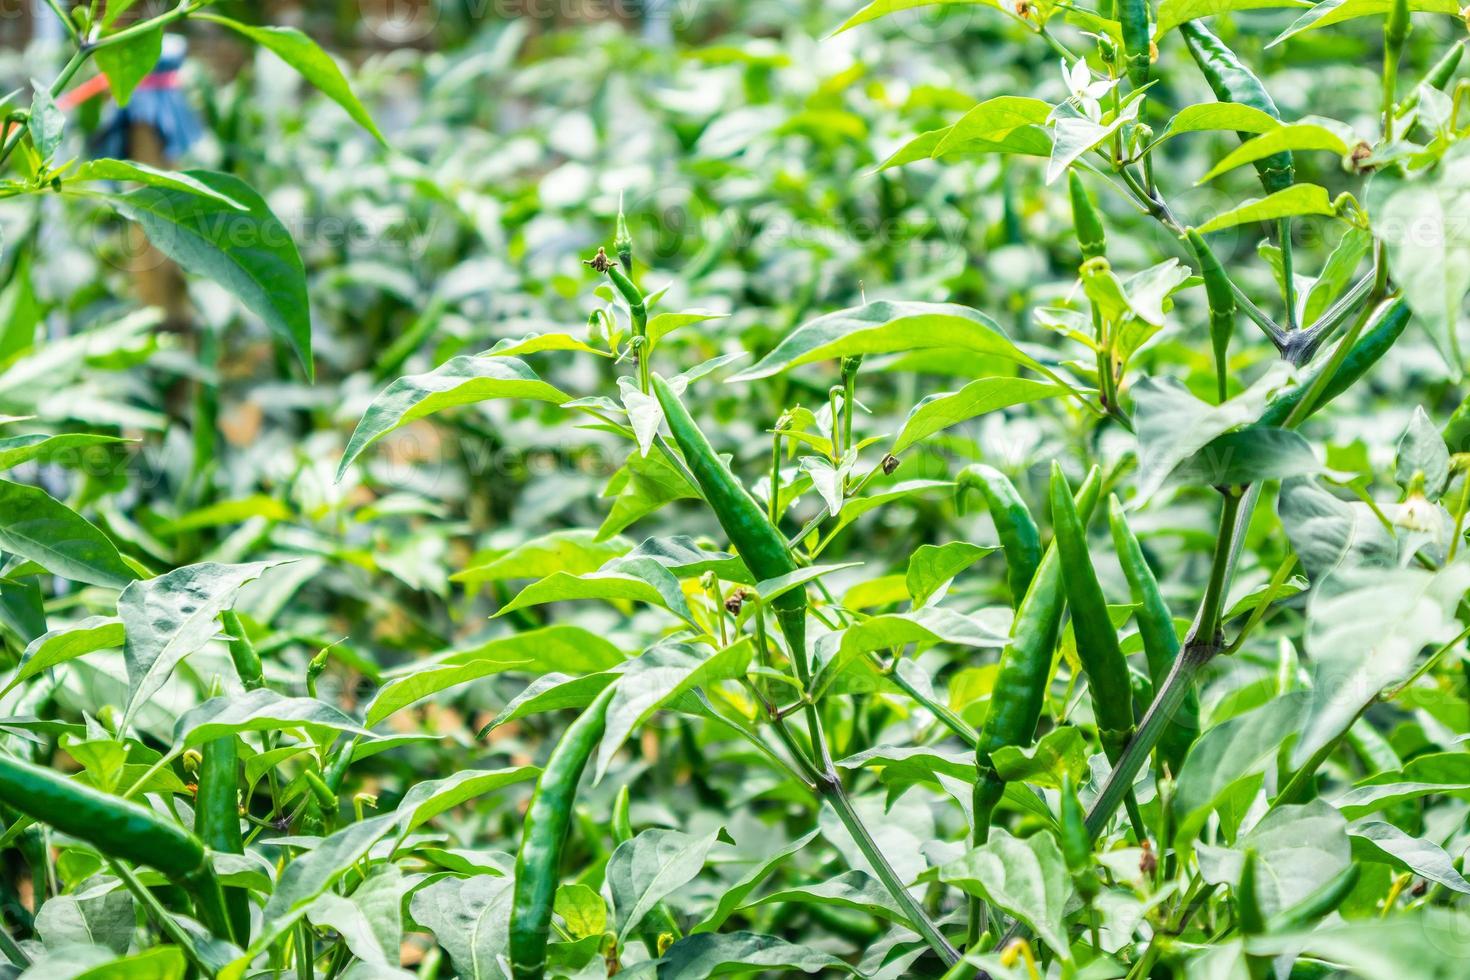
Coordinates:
[1082,597]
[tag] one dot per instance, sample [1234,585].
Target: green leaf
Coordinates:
[1366,633]
[37,527]
[711,954]
[1298,850]
[1007,123]
[370,920]
[540,343]
[98,916]
[539,651]
[427,799]
[663,324]
[882,8]
[1331,12]
[470,917]
[140,173]
[68,643]
[128,63]
[169,617]
[942,410]
[430,679]
[855,890]
[46,124]
[732,899]
[1422,450]
[233,239]
[884,328]
[553,692]
[1229,753]
[1172,13]
[933,567]
[309,875]
[1247,456]
[773,588]
[1059,753]
[641,581]
[1428,248]
[661,676]
[1327,533]
[310,61]
[576,551]
[1375,840]
[583,910]
[1298,199]
[1433,940]
[1075,135]
[1283,138]
[463,381]
[1025,877]
[60,448]
[261,710]
[1209,116]
[1173,425]
[649,868]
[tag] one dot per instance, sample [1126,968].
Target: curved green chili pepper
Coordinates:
[1091,236]
[1137,44]
[1097,641]
[1369,349]
[242,652]
[118,828]
[538,864]
[1222,306]
[1232,81]
[749,529]
[1019,693]
[1019,536]
[217,820]
[1156,629]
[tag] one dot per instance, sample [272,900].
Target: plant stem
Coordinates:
[160,915]
[1288,286]
[71,27]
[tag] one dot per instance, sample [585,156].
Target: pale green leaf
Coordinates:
[1298,199]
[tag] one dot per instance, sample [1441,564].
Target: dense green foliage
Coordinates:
[901,502]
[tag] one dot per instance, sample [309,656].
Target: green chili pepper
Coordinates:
[1077,842]
[1019,537]
[217,820]
[1091,236]
[242,652]
[1232,81]
[1369,349]
[623,241]
[538,865]
[761,546]
[1137,44]
[1222,307]
[118,828]
[1322,902]
[1156,629]
[1097,640]
[322,793]
[1019,694]
[1247,899]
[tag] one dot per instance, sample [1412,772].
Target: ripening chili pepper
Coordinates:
[1137,43]
[118,828]
[1025,669]
[1097,640]
[1091,236]
[1019,537]
[1222,307]
[760,545]
[217,820]
[1232,81]
[1156,630]
[1369,349]
[1320,903]
[242,652]
[538,864]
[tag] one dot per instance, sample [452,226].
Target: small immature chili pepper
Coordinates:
[1369,349]
[1156,629]
[538,864]
[1137,44]
[1222,307]
[118,828]
[1019,536]
[242,652]
[217,820]
[1019,694]
[1091,236]
[1232,81]
[1077,842]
